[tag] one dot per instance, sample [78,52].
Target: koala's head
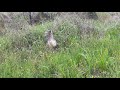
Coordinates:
[49,34]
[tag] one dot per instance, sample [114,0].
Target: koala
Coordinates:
[49,40]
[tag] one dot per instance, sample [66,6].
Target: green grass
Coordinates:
[27,56]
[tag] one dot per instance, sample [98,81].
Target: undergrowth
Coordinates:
[27,56]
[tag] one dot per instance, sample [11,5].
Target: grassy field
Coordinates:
[94,56]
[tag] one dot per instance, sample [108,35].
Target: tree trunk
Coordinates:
[30,17]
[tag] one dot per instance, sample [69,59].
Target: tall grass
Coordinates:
[27,56]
